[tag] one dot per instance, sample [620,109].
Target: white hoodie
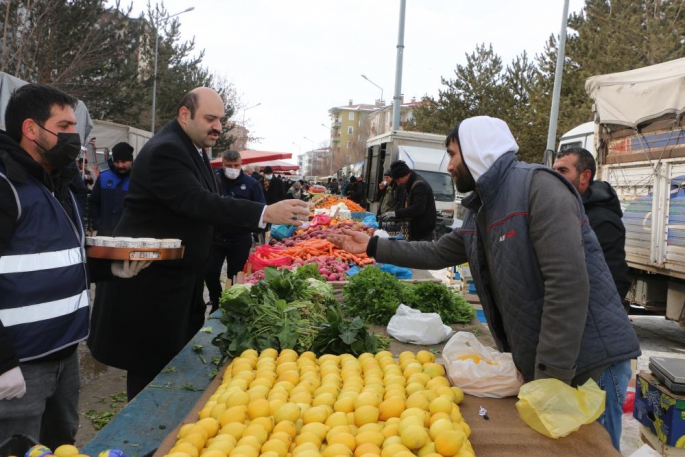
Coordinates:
[483,140]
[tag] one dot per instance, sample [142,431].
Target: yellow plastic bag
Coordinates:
[555,409]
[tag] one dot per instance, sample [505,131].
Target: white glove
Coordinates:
[12,384]
[126,269]
[387,216]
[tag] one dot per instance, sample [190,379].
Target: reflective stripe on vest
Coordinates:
[41,261]
[44,296]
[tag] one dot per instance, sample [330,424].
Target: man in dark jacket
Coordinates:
[545,288]
[140,325]
[419,206]
[274,188]
[44,290]
[355,191]
[231,243]
[603,210]
[106,201]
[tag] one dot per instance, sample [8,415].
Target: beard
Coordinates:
[463,179]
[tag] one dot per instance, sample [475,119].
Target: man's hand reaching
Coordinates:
[287,212]
[351,241]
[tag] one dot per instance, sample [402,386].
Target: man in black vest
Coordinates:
[603,210]
[106,201]
[172,194]
[44,290]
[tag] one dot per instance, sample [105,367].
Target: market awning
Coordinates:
[250,156]
[278,166]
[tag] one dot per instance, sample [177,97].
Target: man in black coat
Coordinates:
[603,210]
[141,324]
[419,206]
[274,187]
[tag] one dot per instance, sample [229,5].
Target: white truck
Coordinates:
[639,138]
[107,134]
[424,153]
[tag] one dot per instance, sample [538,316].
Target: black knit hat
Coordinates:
[399,169]
[387,173]
[268,170]
[122,151]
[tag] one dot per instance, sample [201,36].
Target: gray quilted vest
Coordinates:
[515,324]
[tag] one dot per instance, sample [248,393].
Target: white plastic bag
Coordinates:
[381,234]
[410,325]
[479,370]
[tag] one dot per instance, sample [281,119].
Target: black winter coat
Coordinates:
[419,208]
[140,324]
[603,209]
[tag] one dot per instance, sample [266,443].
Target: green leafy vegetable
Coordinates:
[373,295]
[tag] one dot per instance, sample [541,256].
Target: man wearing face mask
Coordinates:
[44,288]
[107,199]
[274,188]
[231,243]
[140,325]
[547,293]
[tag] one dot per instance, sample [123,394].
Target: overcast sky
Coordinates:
[299,58]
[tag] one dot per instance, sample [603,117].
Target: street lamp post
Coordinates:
[364,76]
[154,79]
[249,107]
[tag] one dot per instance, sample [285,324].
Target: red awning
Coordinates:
[250,156]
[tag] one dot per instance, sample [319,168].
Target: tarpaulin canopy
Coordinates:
[250,156]
[278,166]
[632,97]
[8,84]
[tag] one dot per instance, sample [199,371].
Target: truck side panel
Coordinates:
[648,175]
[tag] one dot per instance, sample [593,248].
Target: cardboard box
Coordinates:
[660,410]
[653,441]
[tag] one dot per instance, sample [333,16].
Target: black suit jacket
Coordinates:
[139,324]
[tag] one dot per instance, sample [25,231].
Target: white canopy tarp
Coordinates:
[8,84]
[633,97]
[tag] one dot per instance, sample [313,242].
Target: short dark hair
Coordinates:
[584,160]
[190,101]
[33,101]
[453,136]
[230,155]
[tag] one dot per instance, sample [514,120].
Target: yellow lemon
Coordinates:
[244,450]
[287,412]
[425,357]
[434,369]
[346,439]
[266,422]
[317,429]
[337,450]
[233,414]
[196,439]
[390,430]
[436,417]
[250,441]
[458,394]
[440,426]
[214,453]
[440,405]
[186,448]
[449,442]
[337,418]
[367,399]
[366,449]
[417,400]
[455,414]
[407,422]
[325,398]
[223,446]
[237,398]
[392,440]
[258,408]
[369,437]
[66,450]
[256,431]
[307,437]
[414,436]
[393,449]
[344,404]
[365,415]
[315,414]
[235,429]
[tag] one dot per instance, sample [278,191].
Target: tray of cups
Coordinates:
[125,248]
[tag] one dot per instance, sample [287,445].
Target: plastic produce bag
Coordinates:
[398,272]
[381,234]
[267,256]
[321,219]
[479,370]
[410,325]
[282,231]
[370,221]
[555,409]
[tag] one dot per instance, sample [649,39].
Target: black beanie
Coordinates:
[122,151]
[399,169]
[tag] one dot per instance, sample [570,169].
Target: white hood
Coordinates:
[483,140]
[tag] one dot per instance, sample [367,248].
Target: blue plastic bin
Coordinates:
[472,286]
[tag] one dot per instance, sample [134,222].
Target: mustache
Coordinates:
[214,131]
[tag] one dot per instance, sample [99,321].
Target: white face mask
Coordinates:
[268,176]
[232,173]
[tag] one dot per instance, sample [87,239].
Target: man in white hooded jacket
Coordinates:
[546,290]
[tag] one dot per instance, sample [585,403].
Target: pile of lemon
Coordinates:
[288,405]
